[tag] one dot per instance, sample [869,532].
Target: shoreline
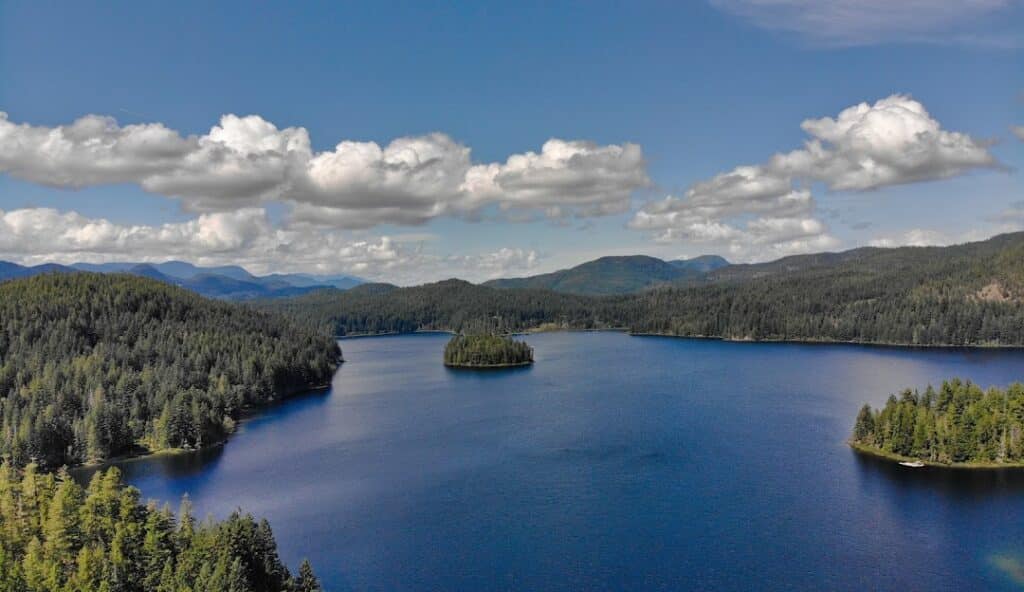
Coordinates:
[895,345]
[140,452]
[626,330]
[897,458]
[487,366]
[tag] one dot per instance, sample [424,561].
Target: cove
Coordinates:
[614,462]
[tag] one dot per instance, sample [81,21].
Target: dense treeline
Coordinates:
[56,536]
[451,305]
[959,423]
[94,365]
[970,294]
[486,350]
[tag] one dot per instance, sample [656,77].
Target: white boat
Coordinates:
[915,464]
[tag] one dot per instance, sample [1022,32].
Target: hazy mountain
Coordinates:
[229,282]
[702,264]
[615,275]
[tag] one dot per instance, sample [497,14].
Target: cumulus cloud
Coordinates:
[247,161]
[768,208]
[867,22]
[245,237]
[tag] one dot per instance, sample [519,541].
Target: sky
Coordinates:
[415,141]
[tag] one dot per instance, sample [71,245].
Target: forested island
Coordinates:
[94,366]
[959,424]
[963,295]
[57,536]
[486,351]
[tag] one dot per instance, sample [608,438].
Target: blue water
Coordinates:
[614,463]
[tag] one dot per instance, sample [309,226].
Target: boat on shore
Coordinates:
[914,464]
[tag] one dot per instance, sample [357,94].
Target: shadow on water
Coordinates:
[959,482]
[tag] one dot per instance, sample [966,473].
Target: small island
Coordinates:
[958,425]
[486,351]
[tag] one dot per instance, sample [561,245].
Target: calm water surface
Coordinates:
[614,463]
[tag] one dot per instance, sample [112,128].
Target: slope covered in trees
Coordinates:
[486,350]
[960,423]
[614,275]
[92,366]
[971,294]
[56,536]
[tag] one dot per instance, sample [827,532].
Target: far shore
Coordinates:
[561,329]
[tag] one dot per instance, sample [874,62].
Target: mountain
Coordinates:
[962,295]
[10,271]
[615,275]
[229,282]
[702,264]
[305,280]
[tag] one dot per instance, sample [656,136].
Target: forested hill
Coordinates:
[94,365]
[615,275]
[971,294]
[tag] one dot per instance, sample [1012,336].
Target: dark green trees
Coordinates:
[486,350]
[92,366]
[959,423]
[57,537]
[970,294]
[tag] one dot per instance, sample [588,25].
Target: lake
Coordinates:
[613,463]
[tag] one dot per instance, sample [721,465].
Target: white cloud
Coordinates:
[246,237]
[915,237]
[1018,130]
[756,210]
[496,264]
[891,142]
[867,22]
[582,178]
[247,161]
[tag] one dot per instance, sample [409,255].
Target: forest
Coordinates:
[93,366]
[967,295]
[486,350]
[56,536]
[960,423]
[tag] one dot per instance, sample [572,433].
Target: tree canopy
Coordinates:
[92,366]
[486,350]
[56,536]
[958,423]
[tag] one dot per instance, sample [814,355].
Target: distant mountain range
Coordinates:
[226,282]
[616,275]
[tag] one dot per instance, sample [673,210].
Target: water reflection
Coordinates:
[960,482]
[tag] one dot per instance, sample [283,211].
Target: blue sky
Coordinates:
[695,89]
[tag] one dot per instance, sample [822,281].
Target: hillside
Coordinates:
[971,294]
[92,366]
[614,275]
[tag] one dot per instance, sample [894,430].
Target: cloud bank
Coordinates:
[245,237]
[768,210]
[248,161]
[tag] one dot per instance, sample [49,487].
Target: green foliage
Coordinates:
[970,294]
[613,275]
[959,423]
[486,350]
[57,537]
[94,365]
